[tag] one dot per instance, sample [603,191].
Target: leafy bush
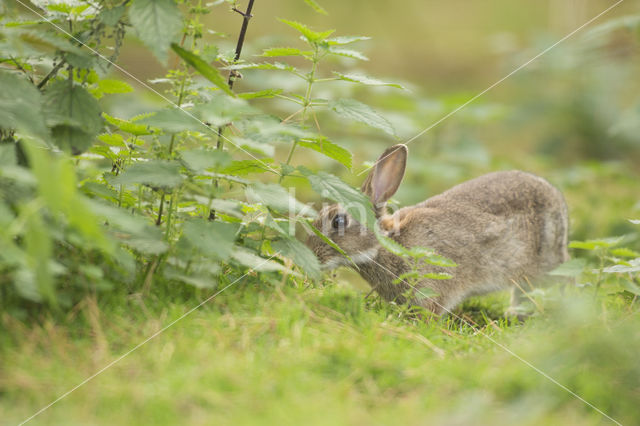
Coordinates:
[194,192]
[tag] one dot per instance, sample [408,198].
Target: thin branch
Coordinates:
[52,73]
[232,75]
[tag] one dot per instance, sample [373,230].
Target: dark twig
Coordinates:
[52,73]
[246,15]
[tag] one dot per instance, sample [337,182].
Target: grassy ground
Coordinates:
[321,356]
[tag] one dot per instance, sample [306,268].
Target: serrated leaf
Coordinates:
[261,94]
[154,173]
[594,244]
[73,115]
[257,147]
[20,106]
[128,126]
[262,66]
[174,120]
[571,268]
[211,238]
[110,86]
[330,149]
[301,255]
[276,197]
[315,6]
[391,245]
[362,79]
[157,22]
[352,200]
[308,33]
[110,17]
[341,40]
[624,252]
[255,262]
[347,53]
[632,266]
[354,110]
[245,167]
[113,139]
[222,110]
[134,231]
[207,71]
[283,51]
[199,160]
[437,276]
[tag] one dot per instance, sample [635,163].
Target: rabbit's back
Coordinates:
[499,228]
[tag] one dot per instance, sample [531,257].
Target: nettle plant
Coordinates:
[192,193]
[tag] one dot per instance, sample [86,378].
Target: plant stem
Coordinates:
[232,75]
[306,103]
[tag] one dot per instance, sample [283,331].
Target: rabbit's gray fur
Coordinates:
[502,229]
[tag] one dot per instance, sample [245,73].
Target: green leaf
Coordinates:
[262,66]
[428,255]
[211,238]
[357,78]
[631,287]
[624,252]
[73,115]
[347,53]
[391,245]
[113,139]
[174,120]
[255,262]
[283,51]
[301,255]
[276,197]
[133,231]
[261,94]
[20,106]
[157,22]
[330,149]
[315,6]
[571,268]
[594,244]
[207,71]
[155,173]
[199,160]
[354,110]
[128,126]
[309,34]
[352,200]
[437,276]
[341,40]
[222,110]
[632,266]
[108,86]
[245,167]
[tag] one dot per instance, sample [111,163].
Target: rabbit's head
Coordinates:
[358,241]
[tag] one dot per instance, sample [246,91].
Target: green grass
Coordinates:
[320,356]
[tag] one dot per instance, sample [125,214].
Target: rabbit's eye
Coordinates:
[339,221]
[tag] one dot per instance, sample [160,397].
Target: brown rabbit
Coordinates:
[501,229]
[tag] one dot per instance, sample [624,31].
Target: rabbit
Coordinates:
[502,229]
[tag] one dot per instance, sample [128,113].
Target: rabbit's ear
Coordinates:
[385,176]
